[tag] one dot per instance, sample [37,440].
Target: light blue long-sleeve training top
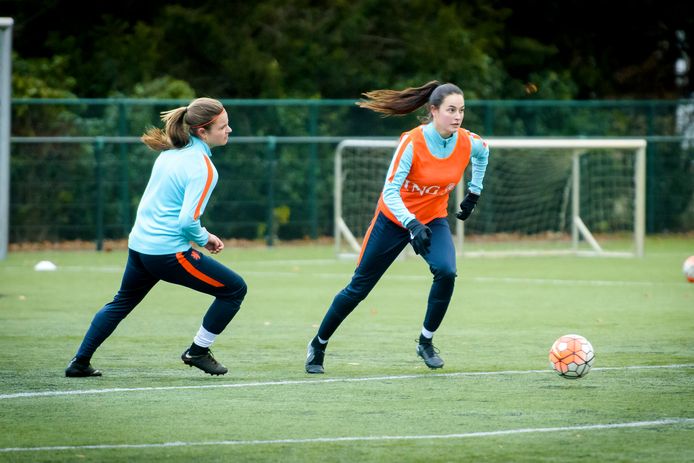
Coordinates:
[441,148]
[168,217]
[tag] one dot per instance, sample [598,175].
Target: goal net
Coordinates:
[541,197]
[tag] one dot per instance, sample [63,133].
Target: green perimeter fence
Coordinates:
[78,168]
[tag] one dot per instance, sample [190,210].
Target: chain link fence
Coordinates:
[78,168]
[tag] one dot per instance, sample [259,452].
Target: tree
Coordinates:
[336,49]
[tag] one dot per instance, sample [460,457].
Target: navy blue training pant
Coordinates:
[191,269]
[382,245]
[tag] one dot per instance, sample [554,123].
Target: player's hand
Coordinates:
[214,244]
[467,206]
[420,237]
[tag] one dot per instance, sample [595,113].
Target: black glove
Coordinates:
[467,206]
[420,237]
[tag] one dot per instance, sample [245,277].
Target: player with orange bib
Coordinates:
[168,220]
[413,208]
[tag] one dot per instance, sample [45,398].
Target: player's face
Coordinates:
[449,116]
[218,133]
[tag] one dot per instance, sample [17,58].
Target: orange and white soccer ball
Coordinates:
[688,269]
[571,356]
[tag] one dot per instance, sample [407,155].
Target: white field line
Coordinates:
[324,440]
[20,395]
[346,275]
[554,281]
[425,277]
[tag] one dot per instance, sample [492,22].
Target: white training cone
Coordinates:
[45,266]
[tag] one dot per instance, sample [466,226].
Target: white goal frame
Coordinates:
[578,228]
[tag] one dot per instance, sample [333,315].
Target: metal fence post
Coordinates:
[312,168]
[271,161]
[98,179]
[651,188]
[124,170]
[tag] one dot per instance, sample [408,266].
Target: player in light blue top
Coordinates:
[167,222]
[168,217]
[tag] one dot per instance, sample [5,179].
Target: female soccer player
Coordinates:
[168,220]
[427,165]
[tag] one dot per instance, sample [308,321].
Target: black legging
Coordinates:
[191,269]
[382,245]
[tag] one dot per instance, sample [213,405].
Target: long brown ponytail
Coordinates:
[401,102]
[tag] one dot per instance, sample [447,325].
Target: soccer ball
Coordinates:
[571,356]
[688,269]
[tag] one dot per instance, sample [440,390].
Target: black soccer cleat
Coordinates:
[314,360]
[206,362]
[430,355]
[77,369]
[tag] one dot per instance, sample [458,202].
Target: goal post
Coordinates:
[542,196]
[5,115]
